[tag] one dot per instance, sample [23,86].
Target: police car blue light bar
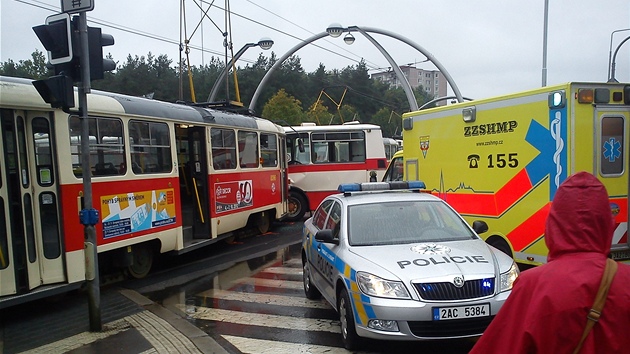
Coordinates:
[380,186]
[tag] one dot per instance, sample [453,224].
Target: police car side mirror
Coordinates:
[480,226]
[326,236]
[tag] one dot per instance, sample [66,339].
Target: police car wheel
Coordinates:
[346,317]
[310,290]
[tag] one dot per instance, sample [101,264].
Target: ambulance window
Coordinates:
[612,146]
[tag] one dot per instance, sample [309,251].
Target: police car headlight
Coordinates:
[375,286]
[508,278]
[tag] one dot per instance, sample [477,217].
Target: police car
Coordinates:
[399,264]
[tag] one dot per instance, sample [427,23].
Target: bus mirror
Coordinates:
[300,144]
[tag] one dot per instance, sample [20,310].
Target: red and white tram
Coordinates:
[165,178]
[322,157]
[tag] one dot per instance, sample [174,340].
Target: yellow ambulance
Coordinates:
[502,159]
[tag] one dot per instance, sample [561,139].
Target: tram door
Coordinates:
[30,249]
[198,170]
[283,174]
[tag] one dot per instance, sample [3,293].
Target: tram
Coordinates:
[166,177]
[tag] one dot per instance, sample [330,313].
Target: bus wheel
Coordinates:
[297,206]
[263,222]
[142,260]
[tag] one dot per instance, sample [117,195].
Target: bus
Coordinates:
[165,177]
[391,146]
[322,157]
[502,159]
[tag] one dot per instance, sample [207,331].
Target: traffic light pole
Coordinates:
[89,216]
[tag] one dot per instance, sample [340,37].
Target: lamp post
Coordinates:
[614,57]
[335,30]
[264,44]
[611,62]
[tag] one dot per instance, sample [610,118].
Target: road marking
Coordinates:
[268,299]
[262,320]
[283,270]
[271,283]
[249,345]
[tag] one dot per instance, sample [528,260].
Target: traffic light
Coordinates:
[60,36]
[98,64]
[56,90]
[56,36]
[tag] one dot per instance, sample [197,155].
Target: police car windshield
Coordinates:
[404,222]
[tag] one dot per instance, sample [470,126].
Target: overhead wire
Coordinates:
[130,30]
[298,26]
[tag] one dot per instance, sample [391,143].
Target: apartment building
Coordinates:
[433,82]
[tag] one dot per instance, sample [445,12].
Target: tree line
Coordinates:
[291,96]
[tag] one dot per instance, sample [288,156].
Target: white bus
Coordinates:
[322,157]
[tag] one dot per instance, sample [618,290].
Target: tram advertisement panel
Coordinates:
[233,195]
[132,212]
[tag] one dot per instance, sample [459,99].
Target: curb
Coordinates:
[179,325]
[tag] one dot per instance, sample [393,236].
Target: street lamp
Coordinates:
[349,38]
[264,44]
[335,30]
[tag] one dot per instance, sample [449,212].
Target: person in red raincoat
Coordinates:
[546,311]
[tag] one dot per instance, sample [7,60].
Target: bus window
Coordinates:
[150,147]
[298,149]
[338,147]
[107,150]
[223,148]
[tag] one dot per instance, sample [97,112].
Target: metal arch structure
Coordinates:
[413,104]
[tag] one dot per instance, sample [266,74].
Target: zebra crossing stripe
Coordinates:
[271,283]
[263,320]
[283,270]
[267,299]
[249,345]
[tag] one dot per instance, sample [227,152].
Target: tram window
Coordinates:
[269,150]
[49,225]
[223,143]
[21,137]
[4,246]
[107,150]
[150,147]
[612,146]
[43,152]
[30,230]
[248,149]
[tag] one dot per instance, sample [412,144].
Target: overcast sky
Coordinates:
[489,47]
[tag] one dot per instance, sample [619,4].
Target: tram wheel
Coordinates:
[263,222]
[142,260]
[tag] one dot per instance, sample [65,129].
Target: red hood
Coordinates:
[580,218]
